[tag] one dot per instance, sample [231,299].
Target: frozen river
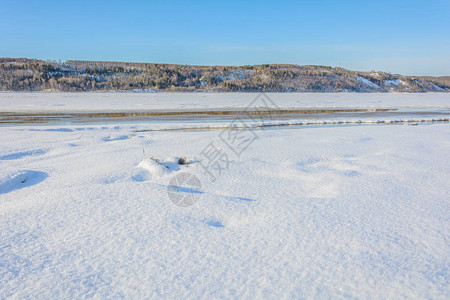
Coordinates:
[96,108]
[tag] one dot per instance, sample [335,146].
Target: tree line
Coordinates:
[21,74]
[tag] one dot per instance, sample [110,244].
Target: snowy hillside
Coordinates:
[19,74]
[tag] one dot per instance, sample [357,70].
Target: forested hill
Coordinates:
[20,74]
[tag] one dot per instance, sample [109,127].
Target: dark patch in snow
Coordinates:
[21,180]
[19,155]
[351,173]
[182,189]
[54,129]
[214,223]
[140,177]
[245,199]
[119,138]
[241,199]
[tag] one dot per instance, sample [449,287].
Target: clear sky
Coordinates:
[407,37]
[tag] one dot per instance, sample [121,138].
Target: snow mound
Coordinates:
[154,169]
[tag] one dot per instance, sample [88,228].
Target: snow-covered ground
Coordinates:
[70,102]
[323,212]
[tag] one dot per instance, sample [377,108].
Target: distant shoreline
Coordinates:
[32,75]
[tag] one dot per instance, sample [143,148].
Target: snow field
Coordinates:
[101,102]
[328,212]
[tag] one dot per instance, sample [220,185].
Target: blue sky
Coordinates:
[406,37]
